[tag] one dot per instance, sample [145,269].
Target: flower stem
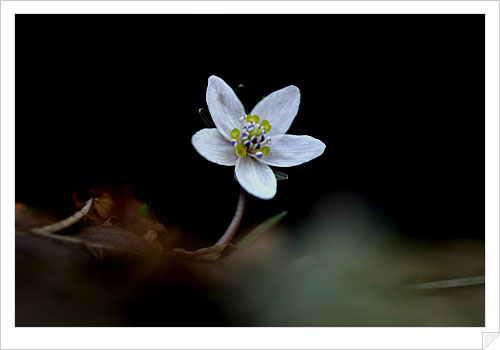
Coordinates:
[228,236]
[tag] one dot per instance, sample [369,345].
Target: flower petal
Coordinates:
[214,147]
[256,178]
[280,108]
[224,106]
[291,150]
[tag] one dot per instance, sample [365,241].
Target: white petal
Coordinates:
[280,108]
[225,107]
[256,178]
[214,147]
[290,150]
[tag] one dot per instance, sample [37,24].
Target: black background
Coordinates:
[397,99]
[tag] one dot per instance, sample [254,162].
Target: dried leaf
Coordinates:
[100,211]
[115,220]
[120,209]
[152,237]
[111,222]
[130,218]
[29,217]
[213,253]
[117,238]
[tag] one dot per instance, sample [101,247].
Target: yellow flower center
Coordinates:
[251,138]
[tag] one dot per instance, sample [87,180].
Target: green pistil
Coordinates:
[255,132]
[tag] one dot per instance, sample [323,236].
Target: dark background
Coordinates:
[397,99]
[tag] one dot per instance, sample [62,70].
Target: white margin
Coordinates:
[225,338]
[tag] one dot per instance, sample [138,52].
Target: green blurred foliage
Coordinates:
[348,266]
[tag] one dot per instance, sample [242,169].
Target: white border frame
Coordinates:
[255,338]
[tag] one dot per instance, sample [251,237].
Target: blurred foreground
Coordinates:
[345,266]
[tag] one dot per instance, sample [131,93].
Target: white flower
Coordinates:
[253,142]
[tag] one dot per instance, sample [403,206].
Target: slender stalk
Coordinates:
[228,236]
[458,282]
[63,224]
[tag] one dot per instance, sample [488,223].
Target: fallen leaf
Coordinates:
[152,237]
[132,216]
[100,211]
[118,238]
[29,217]
[120,209]
[213,253]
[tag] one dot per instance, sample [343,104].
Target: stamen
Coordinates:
[253,118]
[266,125]
[250,139]
[235,133]
[241,151]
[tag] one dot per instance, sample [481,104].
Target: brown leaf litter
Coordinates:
[115,222]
